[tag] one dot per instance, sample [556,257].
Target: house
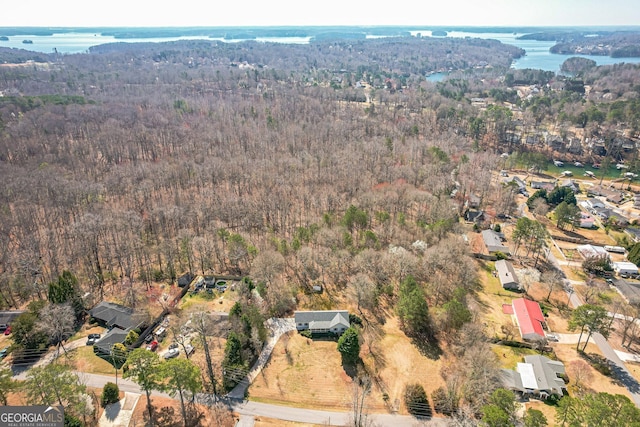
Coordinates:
[538,375]
[522,187]
[474,216]
[625,268]
[593,203]
[110,314]
[590,251]
[106,343]
[493,242]
[322,321]
[615,198]
[540,185]
[119,319]
[571,184]
[586,220]
[530,319]
[507,275]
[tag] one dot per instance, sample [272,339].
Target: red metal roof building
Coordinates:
[530,319]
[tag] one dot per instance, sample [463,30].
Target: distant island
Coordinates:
[439,33]
[26,41]
[616,44]
[4,38]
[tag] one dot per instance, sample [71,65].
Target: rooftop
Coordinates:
[529,316]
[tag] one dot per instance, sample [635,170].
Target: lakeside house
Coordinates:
[322,321]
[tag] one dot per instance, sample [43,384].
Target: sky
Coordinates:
[153,13]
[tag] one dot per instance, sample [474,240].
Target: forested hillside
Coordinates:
[144,161]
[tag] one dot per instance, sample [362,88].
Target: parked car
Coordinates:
[552,337]
[148,338]
[92,339]
[3,352]
[8,330]
[153,345]
[3,327]
[171,353]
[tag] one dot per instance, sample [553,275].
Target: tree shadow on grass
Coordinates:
[428,348]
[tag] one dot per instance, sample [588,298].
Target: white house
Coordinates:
[586,220]
[538,375]
[590,251]
[625,268]
[322,321]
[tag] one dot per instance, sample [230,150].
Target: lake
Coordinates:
[537,52]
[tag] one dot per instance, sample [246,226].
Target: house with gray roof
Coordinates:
[322,321]
[111,315]
[507,275]
[493,242]
[106,343]
[538,375]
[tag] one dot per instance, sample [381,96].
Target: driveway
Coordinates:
[277,327]
[119,414]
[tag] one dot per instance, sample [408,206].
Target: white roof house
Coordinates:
[537,375]
[590,251]
[322,321]
[625,267]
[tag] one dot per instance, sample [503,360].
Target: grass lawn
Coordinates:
[304,373]
[215,301]
[490,302]
[85,360]
[510,356]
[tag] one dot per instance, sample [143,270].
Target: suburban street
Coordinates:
[620,371]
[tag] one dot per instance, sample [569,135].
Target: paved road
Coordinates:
[620,371]
[287,413]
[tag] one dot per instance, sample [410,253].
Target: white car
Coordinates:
[171,353]
[553,337]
